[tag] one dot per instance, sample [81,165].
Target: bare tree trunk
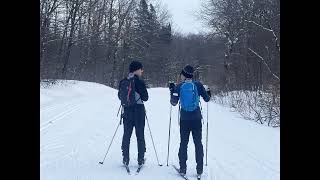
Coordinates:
[122,14]
[74,11]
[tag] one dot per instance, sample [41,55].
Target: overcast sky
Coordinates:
[182,15]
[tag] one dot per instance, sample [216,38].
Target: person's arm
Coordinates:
[119,90]
[203,93]
[141,89]
[174,95]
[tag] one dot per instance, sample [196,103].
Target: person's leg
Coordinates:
[127,132]
[183,149]
[139,126]
[197,137]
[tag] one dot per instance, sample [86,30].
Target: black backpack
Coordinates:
[126,92]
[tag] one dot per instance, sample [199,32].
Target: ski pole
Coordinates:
[201,111]
[207,134]
[169,135]
[101,162]
[121,112]
[179,115]
[152,139]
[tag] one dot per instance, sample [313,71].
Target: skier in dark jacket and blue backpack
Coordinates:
[132,93]
[188,93]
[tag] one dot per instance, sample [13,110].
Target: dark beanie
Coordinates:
[187,71]
[135,65]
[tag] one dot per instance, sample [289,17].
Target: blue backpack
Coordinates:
[189,98]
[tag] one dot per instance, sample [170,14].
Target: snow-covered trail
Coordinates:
[79,120]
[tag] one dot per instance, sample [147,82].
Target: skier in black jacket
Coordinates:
[190,121]
[134,116]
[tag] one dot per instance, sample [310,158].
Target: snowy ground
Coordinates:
[78,121]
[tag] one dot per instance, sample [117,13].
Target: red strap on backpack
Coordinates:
[129,91]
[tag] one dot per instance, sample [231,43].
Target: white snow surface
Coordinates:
[78,120]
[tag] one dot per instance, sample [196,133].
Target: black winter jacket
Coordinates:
[137,111]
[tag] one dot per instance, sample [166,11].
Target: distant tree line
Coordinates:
[95,40]
[251,29]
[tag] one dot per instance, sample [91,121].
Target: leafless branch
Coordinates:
[264,62]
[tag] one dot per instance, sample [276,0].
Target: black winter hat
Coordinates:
[187,71]
[135,65]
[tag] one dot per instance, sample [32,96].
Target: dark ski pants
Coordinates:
[133,118]
[195,127]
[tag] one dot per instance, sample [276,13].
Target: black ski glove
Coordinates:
[209,93]
[171,87]
[207,90]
